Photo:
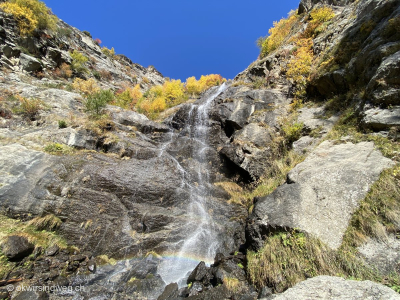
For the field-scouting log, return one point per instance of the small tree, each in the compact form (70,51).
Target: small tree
(96,102)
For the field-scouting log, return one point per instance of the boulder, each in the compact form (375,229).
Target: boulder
(383,255)
(378,119)
(10,51)
(313,199)
(58,56)
(337,288)
(29,63)
(17,247)
(170,292)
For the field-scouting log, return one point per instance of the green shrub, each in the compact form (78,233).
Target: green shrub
(87,33)
(62,124)
(57,149)
(78,62)
(96,102)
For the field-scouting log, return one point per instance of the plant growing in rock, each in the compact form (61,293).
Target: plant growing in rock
(86,87)
(96,102)
(277,35)
(25,18)
(64,71)
(29,107)
(108,52)
(78,62)
(30,15)
(57,149)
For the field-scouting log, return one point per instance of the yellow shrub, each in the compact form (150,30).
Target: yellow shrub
(196,87)
(173,90)
(25,18)
(277,34)
(135,93)
(321,15)
(108,52)
(30,14)
(158,105)
(156,91)
(193,86)
(299,67)
(129,97)
(211,80)
(85,87)
(78,62)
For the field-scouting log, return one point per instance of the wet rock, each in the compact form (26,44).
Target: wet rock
(16,247)
(29,63)
(337,288)
(199,273)
(313,199)
(170,292)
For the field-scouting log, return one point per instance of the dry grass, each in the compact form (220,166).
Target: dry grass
(290,257)
(232,284)
(49,222)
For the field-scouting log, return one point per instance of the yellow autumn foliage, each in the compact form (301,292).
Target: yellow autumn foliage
(86,87)
(30,14)
(173,91)
(322,14)
(195,87)
(25,18)
(277,34)
(299,67)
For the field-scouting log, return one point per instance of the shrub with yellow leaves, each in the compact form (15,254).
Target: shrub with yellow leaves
(277,34)
(25,18)
(86,87)
(30,14)
(299,67)
(173,91)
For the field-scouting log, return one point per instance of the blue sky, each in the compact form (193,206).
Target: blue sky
(181,38)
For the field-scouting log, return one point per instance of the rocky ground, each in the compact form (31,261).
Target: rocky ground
(110,196)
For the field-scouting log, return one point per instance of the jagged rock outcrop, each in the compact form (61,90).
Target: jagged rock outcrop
(336,288)
(313,199)
(43,52)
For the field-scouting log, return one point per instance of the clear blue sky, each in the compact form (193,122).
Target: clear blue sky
(181,38)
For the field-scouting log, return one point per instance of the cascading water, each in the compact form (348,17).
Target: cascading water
(201,243)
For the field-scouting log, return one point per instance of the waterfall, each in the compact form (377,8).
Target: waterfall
(200,241)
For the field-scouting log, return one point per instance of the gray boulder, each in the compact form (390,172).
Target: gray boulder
(337,288)
(29,63)
(31,295)
(381,119)
(16,247)
(383,255)
(321,193)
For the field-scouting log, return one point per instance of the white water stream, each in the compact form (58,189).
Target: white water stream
(201,241)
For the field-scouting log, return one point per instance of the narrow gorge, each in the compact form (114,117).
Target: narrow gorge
(282,183)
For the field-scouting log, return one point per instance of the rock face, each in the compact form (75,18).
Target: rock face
(383,255)
(16,247)
(314,198)
(336,288)
(244,121)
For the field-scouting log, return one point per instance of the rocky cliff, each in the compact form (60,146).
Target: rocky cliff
(299,167)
